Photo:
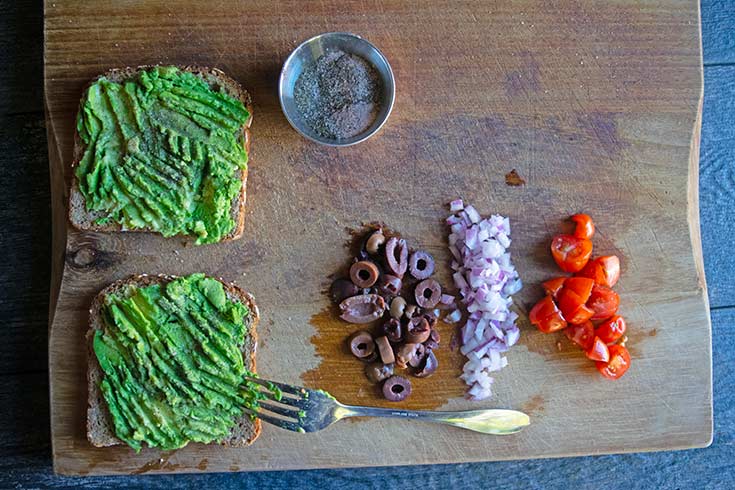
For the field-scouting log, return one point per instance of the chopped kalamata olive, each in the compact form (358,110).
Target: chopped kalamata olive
(434,335)
(431,318)
(418,356)
(428,366)
(396,256)
(377,371)
(390,285)
(376,240)
(411,311)
(428,293)
(363,308)
(409,354)
(431,344)
(417,330)
(364,273)
(421,265)
(396,388)
(393,330)
(342,289)
(397,307)
(385,350)
(362,344)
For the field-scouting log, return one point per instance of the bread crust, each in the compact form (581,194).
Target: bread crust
(100,429)
(84,220)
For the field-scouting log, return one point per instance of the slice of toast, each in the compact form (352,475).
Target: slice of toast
(83,219)
(100,429)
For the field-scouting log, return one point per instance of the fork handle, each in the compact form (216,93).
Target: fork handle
(490,421)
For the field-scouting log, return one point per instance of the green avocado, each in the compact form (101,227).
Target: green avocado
(163,151)
(173,369)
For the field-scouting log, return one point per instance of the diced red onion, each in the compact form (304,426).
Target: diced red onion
(456,205)
(486,279)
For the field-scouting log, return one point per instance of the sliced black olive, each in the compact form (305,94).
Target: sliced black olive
(396,256)
(410,355)
(364,273)
(428,366)
(417,330)
(362,344)
(397,307)
(385,350)
(377,371)
(396,388)
(363,308)
(390,285)
(428,293)
(393,330)
(421,265)
(376,240)
(342,289)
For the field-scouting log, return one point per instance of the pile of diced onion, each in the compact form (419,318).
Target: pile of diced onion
(486,279)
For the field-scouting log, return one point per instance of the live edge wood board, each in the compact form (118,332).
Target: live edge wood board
(597,106)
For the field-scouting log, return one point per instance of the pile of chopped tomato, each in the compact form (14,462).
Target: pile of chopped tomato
(584,306)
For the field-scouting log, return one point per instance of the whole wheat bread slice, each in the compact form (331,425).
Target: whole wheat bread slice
(100,429)
(85,220)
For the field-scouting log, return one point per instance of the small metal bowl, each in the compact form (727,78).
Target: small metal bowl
(307,53)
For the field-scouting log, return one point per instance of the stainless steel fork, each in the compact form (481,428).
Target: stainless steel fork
(303,410)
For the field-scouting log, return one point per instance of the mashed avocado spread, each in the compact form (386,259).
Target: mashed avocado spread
(173,369)
(163,151)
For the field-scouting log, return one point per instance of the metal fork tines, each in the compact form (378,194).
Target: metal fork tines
(300,409)
(292,407)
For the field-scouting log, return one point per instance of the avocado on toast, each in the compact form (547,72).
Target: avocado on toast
(162,149)
(167,357)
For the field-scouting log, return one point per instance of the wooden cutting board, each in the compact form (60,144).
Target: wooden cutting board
(596,104)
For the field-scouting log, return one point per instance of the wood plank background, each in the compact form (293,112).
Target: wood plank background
(24,448)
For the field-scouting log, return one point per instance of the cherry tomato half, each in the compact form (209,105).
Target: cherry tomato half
(552,286)
(583,335)
(585,227)
(618,363)
(571,253)
(598,351)
(605,270)
(603,301)
(611,329)
(573,296)
(546,316)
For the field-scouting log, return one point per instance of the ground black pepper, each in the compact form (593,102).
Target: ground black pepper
(338,95)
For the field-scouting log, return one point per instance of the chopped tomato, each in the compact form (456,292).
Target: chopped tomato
(603,301)
(583,335)
(580,315)
(552,323)
(598,351)
(574,295)
(611,329)
(618,363)
(552,286)
(571,253)
(605,270)
(546,316)
(585,227)
(542,309)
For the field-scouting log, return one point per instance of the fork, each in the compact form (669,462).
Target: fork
(304,410)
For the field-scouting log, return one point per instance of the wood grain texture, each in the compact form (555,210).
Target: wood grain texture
(606,93)
(718,31)
(27,465)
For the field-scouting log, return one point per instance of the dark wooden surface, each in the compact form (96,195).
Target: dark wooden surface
(24,209)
